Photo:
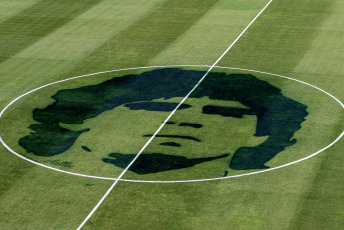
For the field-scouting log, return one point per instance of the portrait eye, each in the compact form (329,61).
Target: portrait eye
(156,106)
(226,111)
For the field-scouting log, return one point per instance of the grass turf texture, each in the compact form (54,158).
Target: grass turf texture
(301,39)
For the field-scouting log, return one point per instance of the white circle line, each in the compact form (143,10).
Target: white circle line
(177,181)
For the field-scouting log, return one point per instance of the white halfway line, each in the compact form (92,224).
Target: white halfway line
(171,114)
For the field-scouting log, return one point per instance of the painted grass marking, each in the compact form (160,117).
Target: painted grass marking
(179,181)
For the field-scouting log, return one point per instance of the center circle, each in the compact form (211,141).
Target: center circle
(196,141)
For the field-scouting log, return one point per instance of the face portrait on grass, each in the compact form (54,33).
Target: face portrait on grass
(216,123)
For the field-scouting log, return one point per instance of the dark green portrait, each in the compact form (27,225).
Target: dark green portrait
(277,117)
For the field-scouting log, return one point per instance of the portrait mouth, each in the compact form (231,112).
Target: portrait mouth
(156,162)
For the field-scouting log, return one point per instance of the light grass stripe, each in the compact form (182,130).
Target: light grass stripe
(9,8)
(45,60)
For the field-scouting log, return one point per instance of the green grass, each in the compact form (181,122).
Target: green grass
(46,41)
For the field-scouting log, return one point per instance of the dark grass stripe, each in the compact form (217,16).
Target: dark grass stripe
(30,25)
(147,37)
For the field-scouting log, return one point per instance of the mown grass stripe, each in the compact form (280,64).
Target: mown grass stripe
(285,24)
(147,37)
(53,55)
(9,8)
(30,25)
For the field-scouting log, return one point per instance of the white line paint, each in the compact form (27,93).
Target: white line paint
(179,181)
(171,114)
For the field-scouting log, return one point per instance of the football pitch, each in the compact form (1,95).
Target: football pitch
(170,114)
